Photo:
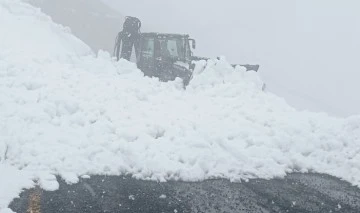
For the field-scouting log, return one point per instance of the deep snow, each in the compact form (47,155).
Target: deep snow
(65,111)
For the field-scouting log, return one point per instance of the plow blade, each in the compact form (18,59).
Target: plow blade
(248,67)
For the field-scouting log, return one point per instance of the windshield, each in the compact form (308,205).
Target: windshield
(172,48)
(147,48)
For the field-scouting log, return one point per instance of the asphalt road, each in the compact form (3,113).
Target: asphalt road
(295,193)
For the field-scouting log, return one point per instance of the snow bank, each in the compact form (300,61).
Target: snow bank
(64,111)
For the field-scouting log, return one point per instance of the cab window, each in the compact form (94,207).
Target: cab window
(172,48)
(147,47)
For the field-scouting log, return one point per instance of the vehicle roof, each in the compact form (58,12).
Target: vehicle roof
(167,35)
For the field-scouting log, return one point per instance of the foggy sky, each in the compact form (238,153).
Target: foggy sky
(307,49)
(94,23)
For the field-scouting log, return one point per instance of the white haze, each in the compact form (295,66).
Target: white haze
(308,50)
(92,21)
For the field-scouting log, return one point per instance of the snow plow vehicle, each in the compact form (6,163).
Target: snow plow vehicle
(161,55)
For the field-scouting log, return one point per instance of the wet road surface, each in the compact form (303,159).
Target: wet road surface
(294,193)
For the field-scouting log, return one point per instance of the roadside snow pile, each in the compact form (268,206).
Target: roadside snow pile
(64,111)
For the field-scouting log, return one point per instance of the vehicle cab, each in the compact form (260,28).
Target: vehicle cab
(166,56)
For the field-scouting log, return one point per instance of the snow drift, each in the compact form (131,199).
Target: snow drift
(65,111)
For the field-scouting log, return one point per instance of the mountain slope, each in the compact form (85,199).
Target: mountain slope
(90,20)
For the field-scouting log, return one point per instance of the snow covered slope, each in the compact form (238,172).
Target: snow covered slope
(65,111)
(90,20)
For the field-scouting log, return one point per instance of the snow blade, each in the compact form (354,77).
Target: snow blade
(248,67)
